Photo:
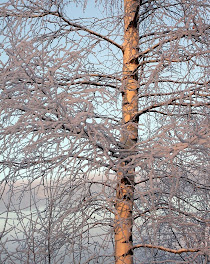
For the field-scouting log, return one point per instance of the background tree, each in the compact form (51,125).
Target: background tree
(104,131)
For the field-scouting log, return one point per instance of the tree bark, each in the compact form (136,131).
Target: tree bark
(126,174)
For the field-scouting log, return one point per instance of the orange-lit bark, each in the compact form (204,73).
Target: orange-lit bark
(125,188)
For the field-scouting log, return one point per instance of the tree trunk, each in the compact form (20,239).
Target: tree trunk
(125,188)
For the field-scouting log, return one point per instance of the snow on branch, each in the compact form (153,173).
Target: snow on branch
(58,14)
(175,251)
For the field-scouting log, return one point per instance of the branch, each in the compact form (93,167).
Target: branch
(194,183)
(177,82)
(175,37)
(89,83)
(175,251)
(99,75)
(87,30)
(179,92)
(178,115)
(58,14)
(171,101)
(29,163)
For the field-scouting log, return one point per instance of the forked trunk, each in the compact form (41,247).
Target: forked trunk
(125,188)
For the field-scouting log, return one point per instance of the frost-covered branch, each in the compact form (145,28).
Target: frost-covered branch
(175,251)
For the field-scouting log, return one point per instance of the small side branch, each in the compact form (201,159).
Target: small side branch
(175,251)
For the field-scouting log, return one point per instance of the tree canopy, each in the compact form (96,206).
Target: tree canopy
(64,131)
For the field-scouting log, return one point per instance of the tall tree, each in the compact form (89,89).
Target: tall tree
(129,137)
(104,131)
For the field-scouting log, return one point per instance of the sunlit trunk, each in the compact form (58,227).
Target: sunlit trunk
(125,188)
